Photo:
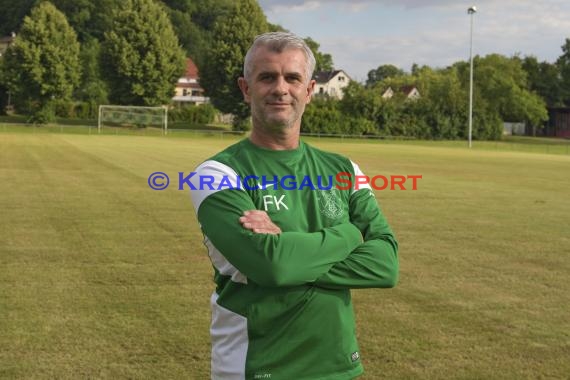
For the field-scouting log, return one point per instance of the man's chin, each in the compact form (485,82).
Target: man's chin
(279,123)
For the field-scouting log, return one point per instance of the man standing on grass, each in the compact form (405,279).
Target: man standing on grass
(286,244)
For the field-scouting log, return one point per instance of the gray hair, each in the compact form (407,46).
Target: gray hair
(278,42)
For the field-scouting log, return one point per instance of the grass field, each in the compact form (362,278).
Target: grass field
(102,277)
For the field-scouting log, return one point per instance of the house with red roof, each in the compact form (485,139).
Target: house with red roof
(188,89)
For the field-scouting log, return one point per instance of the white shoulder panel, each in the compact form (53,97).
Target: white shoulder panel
(211,176)
(358,172)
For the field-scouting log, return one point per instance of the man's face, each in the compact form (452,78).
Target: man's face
(278,88)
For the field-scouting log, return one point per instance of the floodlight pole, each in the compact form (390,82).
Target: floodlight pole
(471,11)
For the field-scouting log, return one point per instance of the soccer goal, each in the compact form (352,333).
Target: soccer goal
(132,116)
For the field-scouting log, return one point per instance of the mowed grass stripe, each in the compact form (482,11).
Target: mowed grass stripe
(85,303)
(484,255)
(102,277)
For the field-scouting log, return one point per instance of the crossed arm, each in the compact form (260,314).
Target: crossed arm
(361,253)
(374,263)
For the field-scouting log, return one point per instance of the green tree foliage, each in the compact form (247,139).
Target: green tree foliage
(3,97)
(141,58)
(544,80)
(205,13)
(192,38)
(193,21)
(12,13)
(442,104)
(43,62)
(441,111)
(563,64)
(78,13)
(359,101)
(193,115)
(382,73)
(92,89)
(89,18)
(325,116)
(324,62)
(503,82)
(232,36)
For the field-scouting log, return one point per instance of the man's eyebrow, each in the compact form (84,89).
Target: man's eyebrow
(274,72)
(294,74)
(266,72)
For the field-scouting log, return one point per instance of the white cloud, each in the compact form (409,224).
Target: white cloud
(358,56)
(361,35)
(295,6)
(275,6)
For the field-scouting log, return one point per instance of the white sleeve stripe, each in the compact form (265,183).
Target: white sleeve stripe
(358,172)
(218,172)
(222,264)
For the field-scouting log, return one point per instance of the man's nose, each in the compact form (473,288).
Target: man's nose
(281,86)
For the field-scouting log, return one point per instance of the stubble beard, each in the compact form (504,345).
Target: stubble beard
(272,124)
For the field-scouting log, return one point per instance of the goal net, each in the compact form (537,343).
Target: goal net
(132,116)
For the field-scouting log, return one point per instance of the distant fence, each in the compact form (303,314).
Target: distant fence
(521,144)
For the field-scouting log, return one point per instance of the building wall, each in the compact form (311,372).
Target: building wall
(334,86)
(558,123)
(5,42)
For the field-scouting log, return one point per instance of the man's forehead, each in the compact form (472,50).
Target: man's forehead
(289,59)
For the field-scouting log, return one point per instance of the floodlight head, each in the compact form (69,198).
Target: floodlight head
(472,10)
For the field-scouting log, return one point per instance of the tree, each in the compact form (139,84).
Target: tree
(43,62)
(360,101)
(503,82)
(92,89)
(89,18)
(13,12)
(442,104)
(324,62)
(232,36)
(192,38)
(381,73)
(193,21)
(78,13)
(544,79)
(563,64)
(3,96)
(141,57)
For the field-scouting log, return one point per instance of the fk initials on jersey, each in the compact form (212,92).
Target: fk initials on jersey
(274,202)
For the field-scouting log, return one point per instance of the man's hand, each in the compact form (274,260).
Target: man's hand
(259,222)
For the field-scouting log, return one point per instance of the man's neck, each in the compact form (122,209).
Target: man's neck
(287,139)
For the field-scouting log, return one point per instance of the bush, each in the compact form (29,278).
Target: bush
(3,99)
(85,110)
(41,113)
(202,114)
(64,109)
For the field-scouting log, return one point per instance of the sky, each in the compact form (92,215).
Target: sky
(364,34)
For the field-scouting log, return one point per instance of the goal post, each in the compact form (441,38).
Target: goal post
(137,116)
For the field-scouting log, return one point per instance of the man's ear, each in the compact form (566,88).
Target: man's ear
(243,86)
(310,89)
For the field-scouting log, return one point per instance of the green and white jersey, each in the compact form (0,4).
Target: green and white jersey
(282,307)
